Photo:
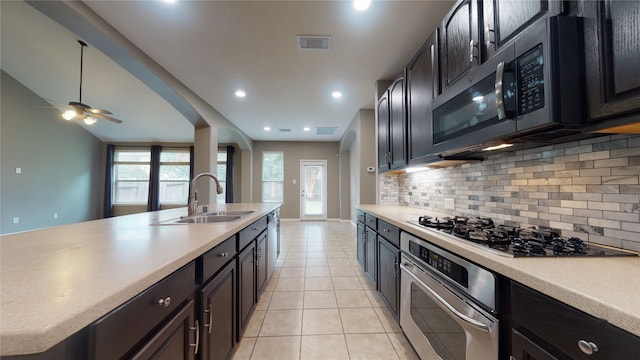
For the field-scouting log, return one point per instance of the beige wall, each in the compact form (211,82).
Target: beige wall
(293,153)
(61,164)
(360,145)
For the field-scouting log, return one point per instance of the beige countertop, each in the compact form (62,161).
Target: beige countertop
(607,288)
(56,281)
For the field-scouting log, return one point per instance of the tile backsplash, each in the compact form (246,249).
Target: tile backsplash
(589,189)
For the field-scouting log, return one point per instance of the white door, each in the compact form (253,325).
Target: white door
(313,189)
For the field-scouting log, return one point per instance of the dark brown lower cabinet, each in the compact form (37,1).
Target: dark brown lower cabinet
(370,256)
(261,263)
(361,239)
(177,340)
(545,328)
(388,280)
(219,315)
(246,286)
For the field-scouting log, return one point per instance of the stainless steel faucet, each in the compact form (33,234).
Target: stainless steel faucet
(193,198)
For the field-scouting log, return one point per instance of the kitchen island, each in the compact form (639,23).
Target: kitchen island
(57,281)
(607,288)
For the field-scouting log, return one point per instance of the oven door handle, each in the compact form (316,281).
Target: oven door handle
(447,307)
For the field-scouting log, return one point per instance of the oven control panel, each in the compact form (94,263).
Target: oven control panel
(443,265)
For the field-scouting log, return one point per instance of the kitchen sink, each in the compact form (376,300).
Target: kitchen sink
(204,219)
(230,212)
(200,219)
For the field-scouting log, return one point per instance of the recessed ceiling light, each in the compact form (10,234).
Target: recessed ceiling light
(361,5)
(170,1)
(241,93)
(336,94)
(307,129)
(266,128)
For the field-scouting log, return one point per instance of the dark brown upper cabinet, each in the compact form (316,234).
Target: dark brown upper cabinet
(383,132)
(392,127)
(612,50)
(423,84)
(460,50)
(503,20)
(397,124)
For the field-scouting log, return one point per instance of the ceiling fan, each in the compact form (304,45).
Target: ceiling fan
(79,110)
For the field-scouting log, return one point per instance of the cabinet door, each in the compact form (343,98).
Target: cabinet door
(261,263)
(524,348)
(505,19)
(219,315)
(360,248)
(459,32)
(177,340)
(272,245)
(612,50)
(397,124)
(423,84)
(370,256)
(388,266)
(383,132)
(246,286)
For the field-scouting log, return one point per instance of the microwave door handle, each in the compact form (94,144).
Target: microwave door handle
(446,306)
(502,114)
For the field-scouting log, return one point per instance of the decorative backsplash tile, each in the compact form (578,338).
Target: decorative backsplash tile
(589,189)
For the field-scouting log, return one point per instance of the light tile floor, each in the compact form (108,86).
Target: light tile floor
(319,304)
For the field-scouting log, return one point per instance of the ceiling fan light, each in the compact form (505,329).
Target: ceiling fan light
(69,115)
(90,120)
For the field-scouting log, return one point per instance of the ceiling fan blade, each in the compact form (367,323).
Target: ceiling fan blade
(107,117)
(100,111)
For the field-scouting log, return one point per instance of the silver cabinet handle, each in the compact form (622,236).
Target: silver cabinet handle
(487,36)
(224,254)
(434,83)
(471,56)
(164,302)
(498,89)
(210,324)
(446,306)
(386,230)
(587,347)
(197,344)
(256,229)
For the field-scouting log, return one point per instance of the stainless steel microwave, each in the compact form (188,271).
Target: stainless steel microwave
(534,84)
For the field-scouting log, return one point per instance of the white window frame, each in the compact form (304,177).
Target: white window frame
(178,163)
(281,181)
(115,181)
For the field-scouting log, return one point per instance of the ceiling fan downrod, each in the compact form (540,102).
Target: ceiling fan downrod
(82,46)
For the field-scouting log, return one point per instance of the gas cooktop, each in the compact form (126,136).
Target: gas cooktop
(514,241)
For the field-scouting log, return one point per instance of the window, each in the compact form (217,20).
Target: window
(131,176)
(272,176)
(174,176)
(222,175)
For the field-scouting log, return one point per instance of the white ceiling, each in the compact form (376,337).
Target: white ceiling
(217,47)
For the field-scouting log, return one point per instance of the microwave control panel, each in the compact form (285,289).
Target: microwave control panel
(530,81)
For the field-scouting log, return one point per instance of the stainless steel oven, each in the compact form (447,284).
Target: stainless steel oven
(446,303)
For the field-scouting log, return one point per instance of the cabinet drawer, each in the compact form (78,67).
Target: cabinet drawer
(360,215)
(370,221)
(389,232)
(214,259)
(251,232)
(563,326)
(117,333)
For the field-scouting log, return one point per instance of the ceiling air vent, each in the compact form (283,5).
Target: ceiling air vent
(325,130)
(314,42)
(284,130)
